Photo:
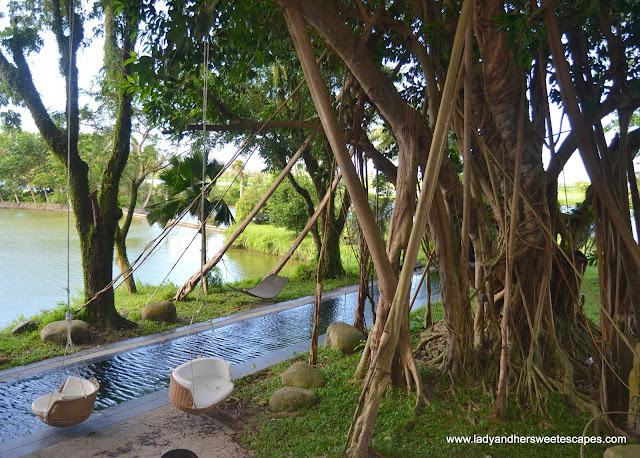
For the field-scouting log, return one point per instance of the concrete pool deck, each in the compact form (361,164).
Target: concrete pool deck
(148,426)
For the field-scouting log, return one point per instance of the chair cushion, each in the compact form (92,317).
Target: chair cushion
(76,387)
(41,405)
(208,390)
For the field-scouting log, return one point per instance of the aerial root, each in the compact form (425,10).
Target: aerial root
(435,361)
(533,384)
(425,340)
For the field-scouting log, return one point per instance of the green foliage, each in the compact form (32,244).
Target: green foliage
(305,272)
(183,183)
(286,207)
(25,163)
(214,278)
(254,190)
(524,33)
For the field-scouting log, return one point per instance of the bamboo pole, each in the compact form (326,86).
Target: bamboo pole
(307,228)
(190,284)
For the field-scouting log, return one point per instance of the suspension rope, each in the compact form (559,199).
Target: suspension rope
(155,243)
(70,54)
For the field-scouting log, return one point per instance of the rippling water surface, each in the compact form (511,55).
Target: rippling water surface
(142,371)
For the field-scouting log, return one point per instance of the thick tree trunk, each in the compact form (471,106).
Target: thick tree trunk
(96,246)
(122,261)
(459,357)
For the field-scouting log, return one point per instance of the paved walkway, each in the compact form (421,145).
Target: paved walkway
(152,434)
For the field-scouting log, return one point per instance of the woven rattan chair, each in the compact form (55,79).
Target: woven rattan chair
(70,405)
(200,384)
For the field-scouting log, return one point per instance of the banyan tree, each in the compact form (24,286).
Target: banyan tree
(497,106)
(467,92)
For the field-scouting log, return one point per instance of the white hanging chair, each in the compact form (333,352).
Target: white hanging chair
(200,384)
(70,405)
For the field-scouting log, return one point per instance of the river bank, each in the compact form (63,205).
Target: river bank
(33,259)
(34,206)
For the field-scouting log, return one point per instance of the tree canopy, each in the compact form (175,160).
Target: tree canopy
(451,100)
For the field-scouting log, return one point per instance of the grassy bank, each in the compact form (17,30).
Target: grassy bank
(221,301)
(274,240)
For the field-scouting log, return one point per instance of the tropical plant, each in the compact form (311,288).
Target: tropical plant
(182,181)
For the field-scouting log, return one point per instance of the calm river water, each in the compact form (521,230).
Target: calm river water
(33,260)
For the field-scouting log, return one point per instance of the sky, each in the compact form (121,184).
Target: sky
(50,84)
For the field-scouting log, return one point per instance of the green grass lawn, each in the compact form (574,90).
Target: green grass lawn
(571,194)
(399,430)
(591,291)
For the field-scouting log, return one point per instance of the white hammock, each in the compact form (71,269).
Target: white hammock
(200,384)
(70,405)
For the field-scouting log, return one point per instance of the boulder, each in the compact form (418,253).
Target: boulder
(633,419)
(56,332)
(622,451)
(344,337)
(301,375)
(292,398)
(26,326)
(160,311)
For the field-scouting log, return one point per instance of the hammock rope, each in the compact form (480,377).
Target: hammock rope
(73,402)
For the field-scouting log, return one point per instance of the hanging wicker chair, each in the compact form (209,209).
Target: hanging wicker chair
(70,405)
(200,384)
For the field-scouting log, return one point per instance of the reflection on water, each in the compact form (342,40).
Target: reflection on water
(145,370)
(33,259)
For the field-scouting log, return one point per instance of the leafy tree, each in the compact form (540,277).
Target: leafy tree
(97,213)
(23,161)
(287,208)
(254,191)
(237,169)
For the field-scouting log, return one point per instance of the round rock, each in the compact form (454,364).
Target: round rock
(160,311)
(301,375)
(623,451)
(292,398)
(56,332)
(344,337)
(26,326)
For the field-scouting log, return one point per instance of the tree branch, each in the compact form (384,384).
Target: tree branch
(252,126)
